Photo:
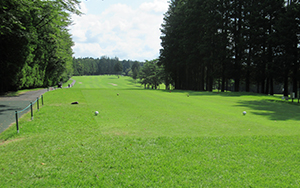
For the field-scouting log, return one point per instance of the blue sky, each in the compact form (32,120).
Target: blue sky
(127,29)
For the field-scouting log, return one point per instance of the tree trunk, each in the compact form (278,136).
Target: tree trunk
(202,76)
(286,85)
(271,86)
(267,86)
(295,84)
(263,80)
(237,84)
(248,81)
(223,84)
(226,85)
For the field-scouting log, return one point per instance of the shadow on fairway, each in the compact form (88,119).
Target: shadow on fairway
(135,84)
(274,110)
(113,78)
(207,93)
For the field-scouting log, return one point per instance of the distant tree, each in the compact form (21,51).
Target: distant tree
(118,67)
(151,74)
(128,72)
(135,73)
(135,68)
(135,65)
(104,65)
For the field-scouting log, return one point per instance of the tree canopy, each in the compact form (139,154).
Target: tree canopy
(35,48)
(151,74)
(247,43)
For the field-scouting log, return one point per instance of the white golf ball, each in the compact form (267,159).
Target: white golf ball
(96,113)
(244,112)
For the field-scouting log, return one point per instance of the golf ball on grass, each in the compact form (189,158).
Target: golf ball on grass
(244,113)
(96,113)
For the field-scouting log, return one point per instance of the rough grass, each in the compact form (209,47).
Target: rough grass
(148,138)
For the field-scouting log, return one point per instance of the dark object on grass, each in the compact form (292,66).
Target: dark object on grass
(59,85)
(75,102)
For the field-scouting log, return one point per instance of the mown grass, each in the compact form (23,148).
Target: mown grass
(152,138)
(66,84)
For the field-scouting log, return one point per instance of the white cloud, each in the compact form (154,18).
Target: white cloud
(120,30)
(156,5)
(83,8)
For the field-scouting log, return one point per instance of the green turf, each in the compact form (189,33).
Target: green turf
(66,84)
(152,138)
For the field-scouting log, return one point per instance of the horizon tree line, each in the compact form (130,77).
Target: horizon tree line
(103,66)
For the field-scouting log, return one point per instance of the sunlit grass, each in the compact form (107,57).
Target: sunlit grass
(152,138)
(66,84)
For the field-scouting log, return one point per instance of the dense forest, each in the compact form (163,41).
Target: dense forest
(253,43)
(103,65)
(35,45)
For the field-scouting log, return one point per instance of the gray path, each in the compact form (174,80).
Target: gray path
(73,83)
(8,106)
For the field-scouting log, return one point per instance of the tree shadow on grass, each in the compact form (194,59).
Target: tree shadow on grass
(272,109)
(113,78)
(135,84)
(214,93)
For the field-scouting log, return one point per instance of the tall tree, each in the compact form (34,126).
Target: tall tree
(118,67)
(135,68)
(205,42)
(35,45)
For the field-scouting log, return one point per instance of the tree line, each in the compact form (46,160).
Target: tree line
(149,73)
(247,42)
(103,65)
(35,45)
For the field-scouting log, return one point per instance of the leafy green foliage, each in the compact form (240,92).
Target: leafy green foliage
(118,67)
(151,74)
(135,70)
(35,46)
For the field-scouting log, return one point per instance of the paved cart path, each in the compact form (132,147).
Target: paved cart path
(8,106)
